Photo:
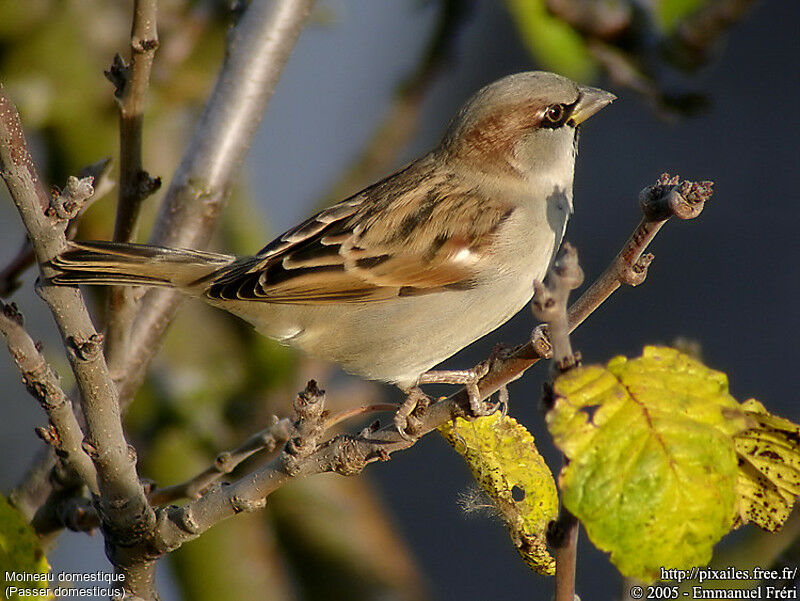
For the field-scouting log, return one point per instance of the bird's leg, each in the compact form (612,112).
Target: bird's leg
(406,419)
(502,400)
(469,378)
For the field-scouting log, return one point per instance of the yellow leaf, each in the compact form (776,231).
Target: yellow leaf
(504,460)
(652,470)
(769,468)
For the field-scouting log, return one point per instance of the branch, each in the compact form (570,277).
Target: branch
(666,198)
(63,432)
(629,267)
(122,503)
(10,274)
(562,537)
(269,438)
(550,305)
(135,184)
(258,49)
(131,82)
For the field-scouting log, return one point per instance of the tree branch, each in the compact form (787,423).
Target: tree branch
(550,306)
(63,433)
(135,184)
(132,82)
(10,274)
(269,438)
(122,503)
(258,49)
(666,198)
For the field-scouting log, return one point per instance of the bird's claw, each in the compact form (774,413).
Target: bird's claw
(407,419)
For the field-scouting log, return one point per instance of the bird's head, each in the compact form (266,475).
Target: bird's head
(524,123)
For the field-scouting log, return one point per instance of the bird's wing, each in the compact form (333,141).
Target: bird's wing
(417,232)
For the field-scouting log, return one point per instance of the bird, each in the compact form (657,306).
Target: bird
(393,280)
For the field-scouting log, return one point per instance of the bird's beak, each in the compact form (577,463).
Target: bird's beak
(590,101)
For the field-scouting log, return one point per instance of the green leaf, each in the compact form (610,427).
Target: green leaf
(503,458)
(769,468)
(652,471)
(554,43)
(21,554)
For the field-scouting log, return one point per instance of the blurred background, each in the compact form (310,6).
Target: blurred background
(708,89)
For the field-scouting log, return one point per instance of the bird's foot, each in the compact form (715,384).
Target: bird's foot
(407,419)
(469,378)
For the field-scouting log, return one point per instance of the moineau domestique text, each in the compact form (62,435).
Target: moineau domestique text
(64,577)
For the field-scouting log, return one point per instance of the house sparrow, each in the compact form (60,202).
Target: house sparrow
(395,279)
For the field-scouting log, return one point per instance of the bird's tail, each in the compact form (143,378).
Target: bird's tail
(134,264)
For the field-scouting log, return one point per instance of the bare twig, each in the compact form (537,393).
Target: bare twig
(63,432)
(121,502)
(10,274)
(268,439)
(659,202)
(258,49)
(135,184)
(131,82)
(562,537)
(550,306)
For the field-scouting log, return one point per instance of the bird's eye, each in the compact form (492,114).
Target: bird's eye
(554,113)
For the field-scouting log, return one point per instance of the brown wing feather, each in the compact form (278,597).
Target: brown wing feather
(416,232)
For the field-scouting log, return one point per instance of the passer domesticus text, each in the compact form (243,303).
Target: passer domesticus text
(393,280)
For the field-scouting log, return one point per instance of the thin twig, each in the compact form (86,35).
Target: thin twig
(10,274)
(562,536)
(257,52)
(550,306)
(356,411)
(132,82)
(268,439)
(135,184)
(666,198)
(63,432)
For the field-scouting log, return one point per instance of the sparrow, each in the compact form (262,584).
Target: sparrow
(395,279)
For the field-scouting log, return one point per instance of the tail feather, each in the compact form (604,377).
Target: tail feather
(134,264)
